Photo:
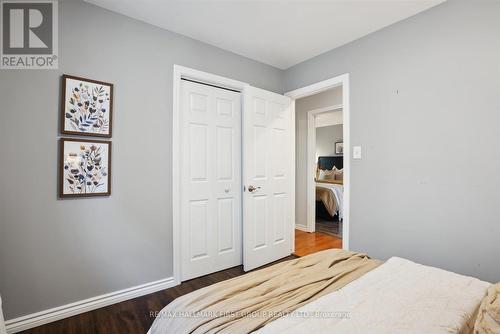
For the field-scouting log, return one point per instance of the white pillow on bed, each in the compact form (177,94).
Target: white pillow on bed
(339,174)
(329,174)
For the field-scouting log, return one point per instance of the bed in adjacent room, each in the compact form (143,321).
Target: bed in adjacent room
(336,291)
(330,187)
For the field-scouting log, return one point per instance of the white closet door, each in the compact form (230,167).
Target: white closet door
(268,174)
(211,216)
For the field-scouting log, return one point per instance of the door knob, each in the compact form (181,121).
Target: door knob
(252,188)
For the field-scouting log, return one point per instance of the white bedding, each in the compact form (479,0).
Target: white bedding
(400,296)
(338,192)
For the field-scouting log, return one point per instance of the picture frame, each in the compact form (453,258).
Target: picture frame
(86,107)
(84,167)
(339,148)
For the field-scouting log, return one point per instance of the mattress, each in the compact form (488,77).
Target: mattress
(399,296)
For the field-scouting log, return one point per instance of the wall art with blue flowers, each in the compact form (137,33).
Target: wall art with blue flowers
(86,107)
(85,168)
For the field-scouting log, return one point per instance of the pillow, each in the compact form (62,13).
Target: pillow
(329,174)
(339,174)
(488,317)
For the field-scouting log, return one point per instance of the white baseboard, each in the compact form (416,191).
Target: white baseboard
(68,310)
(302,228)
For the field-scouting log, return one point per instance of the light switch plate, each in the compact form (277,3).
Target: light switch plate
(356,152)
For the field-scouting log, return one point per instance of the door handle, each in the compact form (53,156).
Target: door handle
(252,188)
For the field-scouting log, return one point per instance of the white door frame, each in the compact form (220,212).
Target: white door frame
(341,80)
(202,77)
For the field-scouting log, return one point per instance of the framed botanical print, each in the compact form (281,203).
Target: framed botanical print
(86,107)
(84,168)
(339,148)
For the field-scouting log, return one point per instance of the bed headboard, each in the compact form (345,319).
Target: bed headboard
(329,162)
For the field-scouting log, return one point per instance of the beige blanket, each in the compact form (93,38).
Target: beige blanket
(488,318)
(246,303)
(329,181)
(327,197)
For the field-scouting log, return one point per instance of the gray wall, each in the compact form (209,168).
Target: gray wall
(326,137)
(331,97)
(53,252)
(425,106)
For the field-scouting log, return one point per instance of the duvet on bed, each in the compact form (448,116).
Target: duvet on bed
(399,296)
(246,303)
(331,195)
(333,291)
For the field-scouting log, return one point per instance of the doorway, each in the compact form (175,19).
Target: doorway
(326,132)
(322,173)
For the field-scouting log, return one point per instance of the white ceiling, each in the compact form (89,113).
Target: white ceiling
(280,33)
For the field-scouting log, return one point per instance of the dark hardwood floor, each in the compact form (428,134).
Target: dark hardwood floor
(135,315)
